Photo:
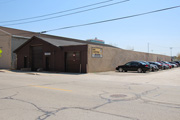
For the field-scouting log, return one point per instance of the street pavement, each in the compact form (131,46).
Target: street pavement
(94,96)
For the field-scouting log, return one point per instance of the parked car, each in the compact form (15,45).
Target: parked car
(178,62)
(164,66)
(159,65)
(173,64)
(153,67)
(168,64)
(177,65)
(134,66)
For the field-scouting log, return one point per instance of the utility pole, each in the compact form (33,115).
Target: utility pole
(148,53)
(171,52)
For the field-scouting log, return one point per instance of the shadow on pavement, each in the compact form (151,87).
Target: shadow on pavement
(38,73)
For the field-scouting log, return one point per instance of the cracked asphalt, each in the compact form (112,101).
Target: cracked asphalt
(94,96)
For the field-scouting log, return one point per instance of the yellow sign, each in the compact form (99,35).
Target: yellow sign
(0,52)
(97,52)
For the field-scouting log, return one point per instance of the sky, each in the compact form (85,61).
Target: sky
(156,32)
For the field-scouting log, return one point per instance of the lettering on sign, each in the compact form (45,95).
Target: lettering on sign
(97,52)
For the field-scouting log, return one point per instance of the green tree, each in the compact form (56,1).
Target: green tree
(178,56)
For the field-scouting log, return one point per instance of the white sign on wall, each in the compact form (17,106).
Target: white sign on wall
(47,53)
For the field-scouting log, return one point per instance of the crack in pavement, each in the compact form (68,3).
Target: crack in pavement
(80,108)
(11,98)
(164,104)
(47,114)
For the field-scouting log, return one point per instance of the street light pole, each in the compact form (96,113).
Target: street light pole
(148,53)
(171,52)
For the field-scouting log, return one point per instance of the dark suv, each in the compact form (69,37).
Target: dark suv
(134,66)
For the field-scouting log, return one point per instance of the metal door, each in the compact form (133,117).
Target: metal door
(73,62)
(25,62)
(37,57)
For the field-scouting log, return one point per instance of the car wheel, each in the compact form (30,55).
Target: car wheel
(125,71)
(120,70)
(139,70)
(144,71)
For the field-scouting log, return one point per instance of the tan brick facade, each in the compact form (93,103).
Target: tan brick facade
(112,57)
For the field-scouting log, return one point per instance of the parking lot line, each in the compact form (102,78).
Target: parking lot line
(51,88)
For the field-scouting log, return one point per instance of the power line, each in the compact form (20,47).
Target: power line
(115,19)
(68,13)
(4,2)
(57,12)
(102,2)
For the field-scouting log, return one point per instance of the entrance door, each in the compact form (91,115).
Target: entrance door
(47,63)
(73,62)
(37,57)
(25,62)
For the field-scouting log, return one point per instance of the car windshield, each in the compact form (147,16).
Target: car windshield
(158,63)
(128,64)
(143,63)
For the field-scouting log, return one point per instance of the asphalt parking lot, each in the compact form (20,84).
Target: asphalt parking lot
(94,96)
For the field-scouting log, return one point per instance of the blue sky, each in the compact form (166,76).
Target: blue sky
(161,30)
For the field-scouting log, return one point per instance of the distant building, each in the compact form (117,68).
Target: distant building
(96,41)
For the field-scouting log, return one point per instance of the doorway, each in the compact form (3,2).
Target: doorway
(37,57)
(25,62)
(47,63)
(73,62)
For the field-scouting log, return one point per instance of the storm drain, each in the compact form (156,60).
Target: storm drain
(118,96)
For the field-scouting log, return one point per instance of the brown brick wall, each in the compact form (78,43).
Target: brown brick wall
(57,57)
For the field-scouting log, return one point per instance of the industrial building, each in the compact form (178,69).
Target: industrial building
(11,39)
(53,53)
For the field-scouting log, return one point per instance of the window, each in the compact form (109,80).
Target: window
(128,64)
(134,64)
